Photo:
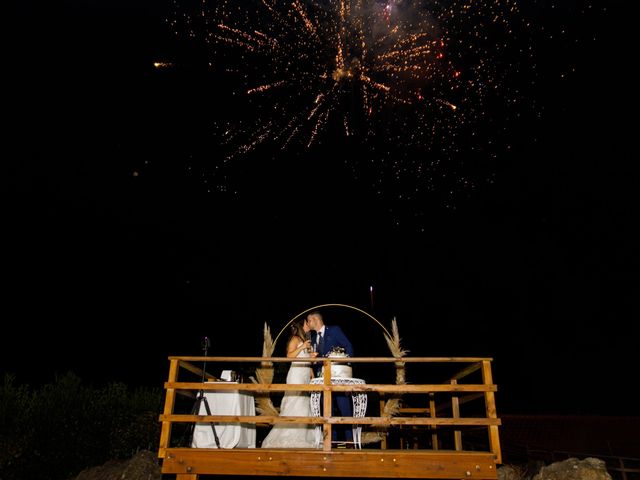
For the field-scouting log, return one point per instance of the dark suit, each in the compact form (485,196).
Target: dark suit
(342,404)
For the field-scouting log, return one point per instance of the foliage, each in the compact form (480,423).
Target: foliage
(57,430)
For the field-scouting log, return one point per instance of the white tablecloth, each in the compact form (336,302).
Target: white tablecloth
(359,405)
(231,435)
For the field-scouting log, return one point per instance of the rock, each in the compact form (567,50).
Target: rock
(510,472)
(574,469)
(143,466)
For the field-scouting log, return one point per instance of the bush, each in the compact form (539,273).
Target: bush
(56,431)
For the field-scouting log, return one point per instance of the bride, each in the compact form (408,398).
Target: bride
(295,404)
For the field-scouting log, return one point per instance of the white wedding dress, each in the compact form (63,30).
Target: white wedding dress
(294,404)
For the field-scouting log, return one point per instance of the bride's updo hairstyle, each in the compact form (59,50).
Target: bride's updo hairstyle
(297,330)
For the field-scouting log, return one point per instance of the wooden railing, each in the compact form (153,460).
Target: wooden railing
(430,414)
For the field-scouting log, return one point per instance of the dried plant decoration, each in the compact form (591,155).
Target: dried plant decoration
(264,374)
(396,351)
(392,405)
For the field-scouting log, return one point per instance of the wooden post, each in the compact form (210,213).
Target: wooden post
(170,398)
(622,469)
(432,414)
(383,442)
(490,405)
(326,407)
(455,408)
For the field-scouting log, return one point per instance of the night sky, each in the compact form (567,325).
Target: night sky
(128,237)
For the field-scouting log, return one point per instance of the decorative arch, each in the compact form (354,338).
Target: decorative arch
(317,307)
(264,373)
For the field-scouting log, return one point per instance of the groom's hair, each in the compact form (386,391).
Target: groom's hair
(316,312)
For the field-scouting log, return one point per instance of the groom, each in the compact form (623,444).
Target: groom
(326,338)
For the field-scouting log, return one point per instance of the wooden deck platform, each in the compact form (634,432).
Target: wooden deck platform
(432,439)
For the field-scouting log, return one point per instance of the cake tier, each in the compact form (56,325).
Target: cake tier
(341,371)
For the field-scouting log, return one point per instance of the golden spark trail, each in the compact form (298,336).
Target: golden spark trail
(263,88)
(304,17)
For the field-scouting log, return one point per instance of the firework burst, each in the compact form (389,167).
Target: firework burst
(415,84)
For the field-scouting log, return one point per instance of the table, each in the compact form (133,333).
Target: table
(359,405)
(231,435)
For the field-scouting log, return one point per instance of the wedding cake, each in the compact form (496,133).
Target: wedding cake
(339,370)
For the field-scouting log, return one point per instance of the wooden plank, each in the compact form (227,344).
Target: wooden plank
(376,421)
(351,359)
(469,397)
(198,371)
(370,387)
(261,419)
(342,463)
(414,411)
(467,371)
